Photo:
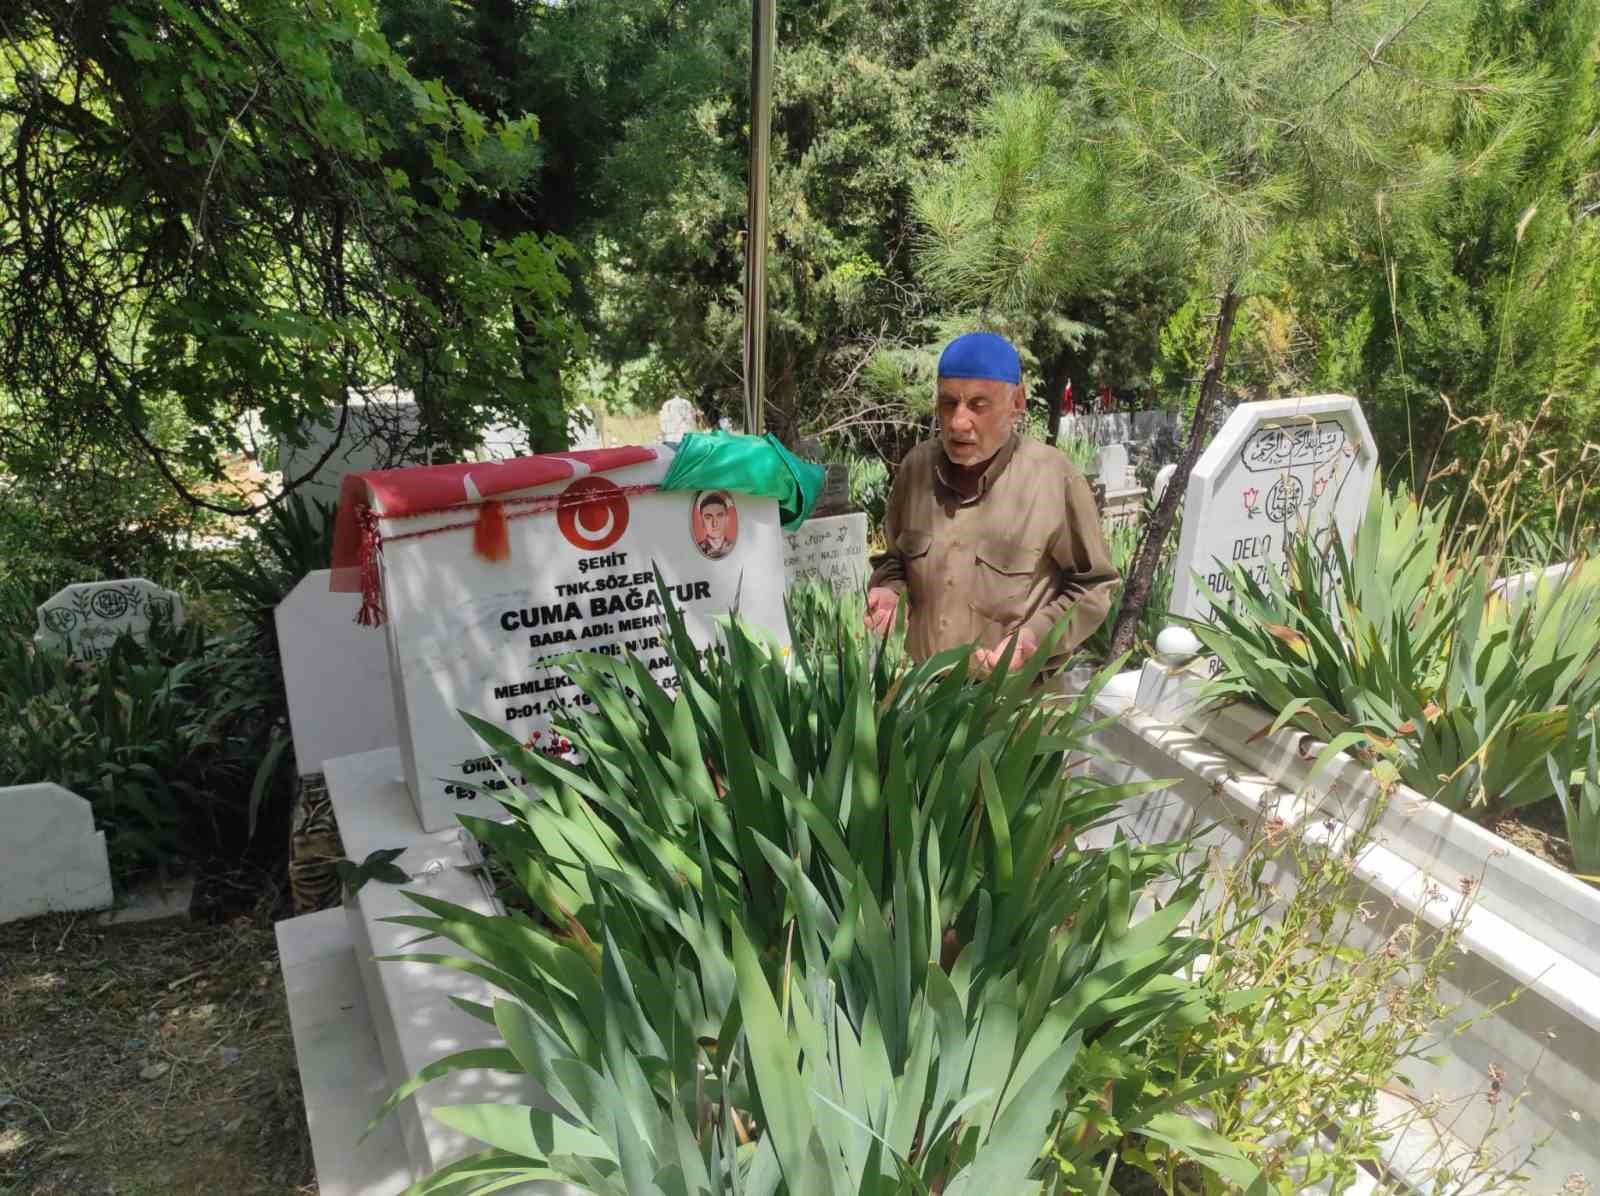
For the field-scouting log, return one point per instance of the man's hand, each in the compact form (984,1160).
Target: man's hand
(986,660)
(881,604)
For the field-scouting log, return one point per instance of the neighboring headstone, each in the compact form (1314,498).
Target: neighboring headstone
(1163,476)
(501,442)
(1515,586)
(85,618)
(381,431)
(677,419)
(51,857)
(1123,507)
(469,634)
(832,549)
(1119,427)
(1276,470)
(335,675)
(583,428)
(1113,471)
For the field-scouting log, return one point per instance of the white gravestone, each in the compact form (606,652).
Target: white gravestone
(1163,476)
(85,619)
(1113,466)
(332,668)
(1275,471)
(677,419)
(583,428)
(831,549)
(51,857)
(381,431)
(475,635)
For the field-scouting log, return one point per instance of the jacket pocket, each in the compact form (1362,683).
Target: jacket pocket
(913,547)
(1003,581)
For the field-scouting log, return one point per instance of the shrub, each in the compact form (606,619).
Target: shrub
(851,899)
(1350,1006)
(176,743)
(291,541)
(1411,657)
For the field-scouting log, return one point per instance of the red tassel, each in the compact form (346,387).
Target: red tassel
(490,539)
(372,613)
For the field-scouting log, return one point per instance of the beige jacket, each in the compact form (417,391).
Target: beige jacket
(1020,554)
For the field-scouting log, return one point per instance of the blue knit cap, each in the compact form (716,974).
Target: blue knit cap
(981,355)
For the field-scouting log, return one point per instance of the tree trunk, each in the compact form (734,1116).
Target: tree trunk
(1142,572)
(1054,382)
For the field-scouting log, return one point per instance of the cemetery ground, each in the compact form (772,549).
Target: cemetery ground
(150,1061)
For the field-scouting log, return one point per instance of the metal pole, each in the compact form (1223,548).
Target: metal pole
(764,16)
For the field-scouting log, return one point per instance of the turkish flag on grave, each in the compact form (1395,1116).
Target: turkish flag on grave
(366,497)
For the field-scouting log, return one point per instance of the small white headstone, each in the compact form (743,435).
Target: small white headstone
(381,431)
(501,442)
(832,549)
(1163,476)
(51,857)
(677,419)
(1276,470)
(1114,466)
(85,619)
(1514,587)
(583,428)
(335,675)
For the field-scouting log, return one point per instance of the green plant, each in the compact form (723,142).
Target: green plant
(177,743)
(1350,1007)
(1414,658)
(827,626)
(1082,452)
(292,540)
(1579,793)
(851,898)
(869,488)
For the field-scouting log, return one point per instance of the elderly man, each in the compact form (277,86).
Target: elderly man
(992,537)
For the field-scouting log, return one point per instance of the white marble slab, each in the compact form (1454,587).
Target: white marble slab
(1530,932)
(335,675)
(1515,586)
(51,857)
(86,618)
(342,1078)
(381,431)
(414,1021)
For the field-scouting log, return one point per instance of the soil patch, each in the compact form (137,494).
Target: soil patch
(1540,830)
(148,1061)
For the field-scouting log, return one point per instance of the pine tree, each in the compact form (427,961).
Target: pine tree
(1201,139)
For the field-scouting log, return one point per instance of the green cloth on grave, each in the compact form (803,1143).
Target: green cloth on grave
(758,465)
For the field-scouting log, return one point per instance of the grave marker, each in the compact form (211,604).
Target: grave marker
(85,619)
(382,430)
(1113,466)
(677,419)
(476,634)
(51,857)
(1276,470)
(831,549)
(331,669)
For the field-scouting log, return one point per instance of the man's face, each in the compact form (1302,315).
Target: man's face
(975,417)
(715,518)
